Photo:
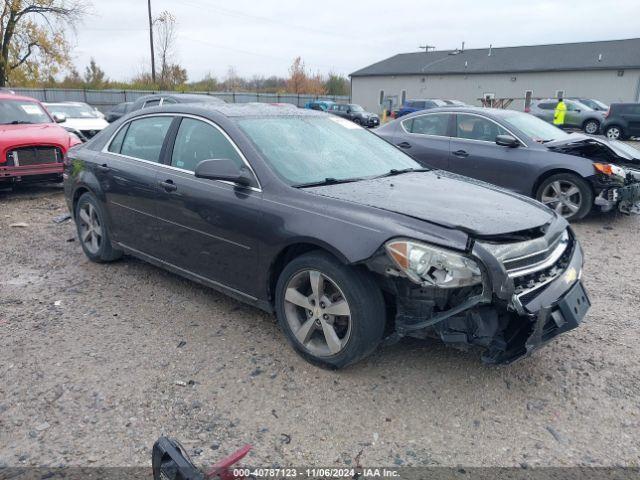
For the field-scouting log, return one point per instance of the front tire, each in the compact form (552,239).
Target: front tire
(568,194)
(93,232)
(591,127)
(332,314)
(614,132)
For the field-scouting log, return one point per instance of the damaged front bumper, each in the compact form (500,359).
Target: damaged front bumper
(626,198)
(520,307)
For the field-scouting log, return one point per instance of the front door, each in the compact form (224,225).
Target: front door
(475,154)
(207,227)
(127,172)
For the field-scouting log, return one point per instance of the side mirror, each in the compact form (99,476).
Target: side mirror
(59,118)
(507,141)
(224,169)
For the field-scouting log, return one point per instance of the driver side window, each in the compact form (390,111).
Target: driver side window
(197,141)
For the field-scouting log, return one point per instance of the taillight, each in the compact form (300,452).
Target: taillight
(606,115)
(527,109)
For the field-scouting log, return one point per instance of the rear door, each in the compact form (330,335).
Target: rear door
(426,138)
(475,154)
(126,170)
(208,227)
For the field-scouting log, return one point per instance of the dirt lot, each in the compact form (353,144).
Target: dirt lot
(90,357)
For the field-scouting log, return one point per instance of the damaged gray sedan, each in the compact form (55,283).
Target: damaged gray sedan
(345,237)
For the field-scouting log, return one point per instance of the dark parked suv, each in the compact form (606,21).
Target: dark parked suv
(622,121)
(345,237)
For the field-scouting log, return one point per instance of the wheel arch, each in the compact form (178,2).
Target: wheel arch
(291,251)
(555,171)
(591,119)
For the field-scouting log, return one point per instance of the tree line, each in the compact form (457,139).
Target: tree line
(35,52)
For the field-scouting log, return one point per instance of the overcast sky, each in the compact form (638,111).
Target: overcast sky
(262,37)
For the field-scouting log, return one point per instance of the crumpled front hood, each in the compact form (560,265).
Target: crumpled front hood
(576,140)
(445,199)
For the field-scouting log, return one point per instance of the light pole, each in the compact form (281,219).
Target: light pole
(153,57)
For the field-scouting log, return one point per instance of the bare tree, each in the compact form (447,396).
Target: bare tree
(33,36)
(165,45)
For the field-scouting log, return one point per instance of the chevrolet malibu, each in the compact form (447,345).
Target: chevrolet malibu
(345,237)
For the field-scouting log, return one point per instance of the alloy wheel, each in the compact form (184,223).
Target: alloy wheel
(562,196)
(613,133)
(90,228)
(317,312)
(591,127)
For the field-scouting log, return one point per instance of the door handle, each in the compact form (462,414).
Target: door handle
(404,145)
(104,168)
(461,153)
(168,185)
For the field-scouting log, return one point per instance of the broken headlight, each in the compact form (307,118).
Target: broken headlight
(429,265)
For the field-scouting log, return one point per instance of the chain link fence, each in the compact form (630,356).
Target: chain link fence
(104,100)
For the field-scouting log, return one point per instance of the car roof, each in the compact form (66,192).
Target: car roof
(11,96)
(236,110)
(498,112)
(77,104)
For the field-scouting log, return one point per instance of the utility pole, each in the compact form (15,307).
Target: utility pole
(153,57)
(426,48)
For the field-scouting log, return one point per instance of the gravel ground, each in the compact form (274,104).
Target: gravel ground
(93,358)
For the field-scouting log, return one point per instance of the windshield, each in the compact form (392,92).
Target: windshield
(356,108)
(307,149)
(22,111)
(594,104)
(537,129)
(73,111)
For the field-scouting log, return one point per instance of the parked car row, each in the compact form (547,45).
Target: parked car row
(421,229)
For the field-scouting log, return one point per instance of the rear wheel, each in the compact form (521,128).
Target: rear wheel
(332,314)
(591,127)
(568,194)
(614,132)
(92,230)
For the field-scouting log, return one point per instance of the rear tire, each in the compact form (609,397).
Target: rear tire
(93,231)
(568,194)
(591,127)
(614,132)
(332,314)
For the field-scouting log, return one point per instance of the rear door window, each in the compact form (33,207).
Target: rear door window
(144,138)
(435,124)
(547,105)
(196,141)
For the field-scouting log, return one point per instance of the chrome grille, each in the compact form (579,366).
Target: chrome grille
(534,263)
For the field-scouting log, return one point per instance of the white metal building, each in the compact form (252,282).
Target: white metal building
(606,70)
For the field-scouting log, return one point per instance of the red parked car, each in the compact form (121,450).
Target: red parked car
(32,144)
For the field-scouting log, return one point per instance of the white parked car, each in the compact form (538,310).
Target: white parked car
(78,117)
